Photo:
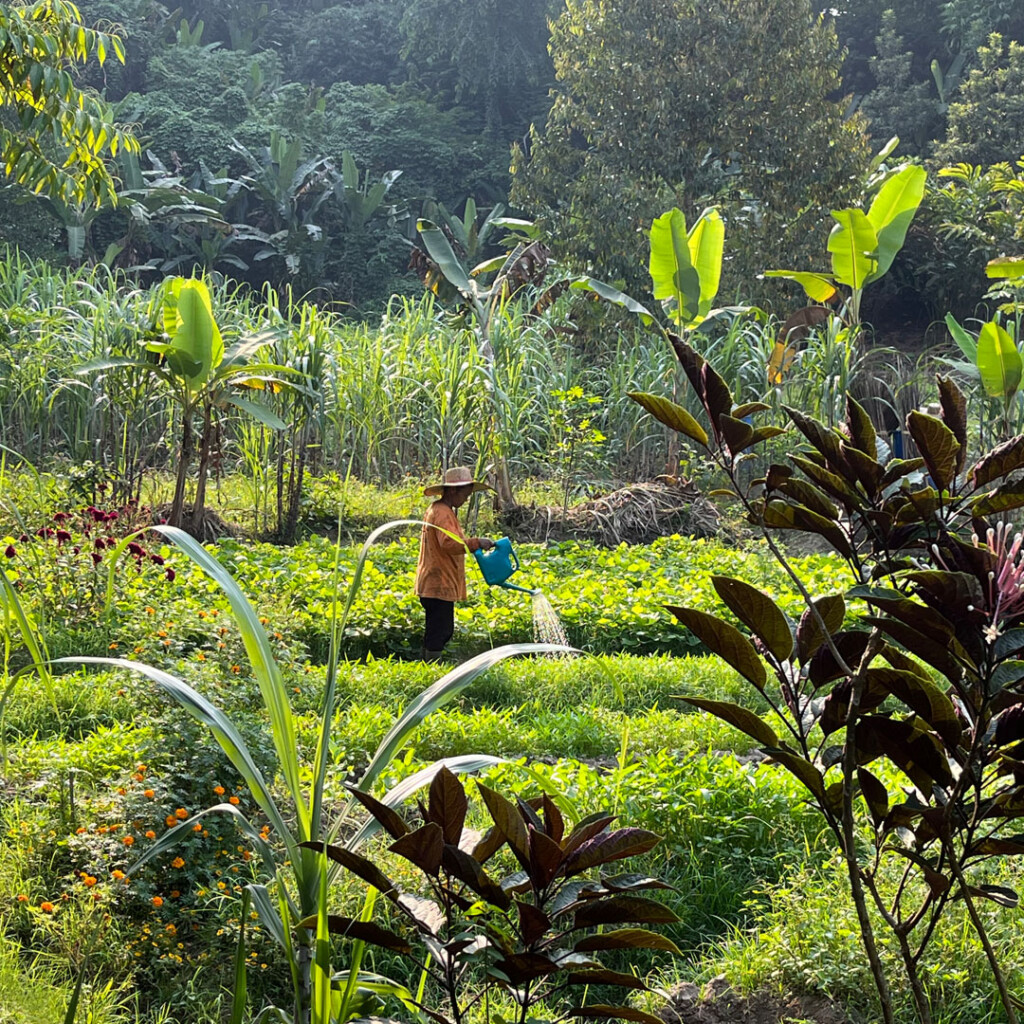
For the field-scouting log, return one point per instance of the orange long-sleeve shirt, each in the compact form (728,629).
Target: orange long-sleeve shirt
(441,571)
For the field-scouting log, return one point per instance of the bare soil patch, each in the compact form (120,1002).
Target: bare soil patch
(717,1003)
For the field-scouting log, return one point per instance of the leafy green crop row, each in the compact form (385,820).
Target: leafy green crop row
(608,600)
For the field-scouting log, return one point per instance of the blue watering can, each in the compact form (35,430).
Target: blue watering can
(498,564)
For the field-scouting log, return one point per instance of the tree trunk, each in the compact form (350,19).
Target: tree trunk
(291,523)
(184,459)
(205,451)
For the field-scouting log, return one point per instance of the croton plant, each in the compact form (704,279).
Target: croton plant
(898,700)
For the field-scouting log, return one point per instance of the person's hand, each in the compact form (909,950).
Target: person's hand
(486,543)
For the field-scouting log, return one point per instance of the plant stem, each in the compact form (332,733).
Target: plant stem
(979,927)
(849,839)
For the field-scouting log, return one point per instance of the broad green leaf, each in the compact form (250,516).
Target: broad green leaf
(854,247)
(444,256)
(612,294)
(191,328)
(1005,267)
(266,416)
(819,287)
(965,341)
(672,415)
(999,362)
(892,211)
(676,282)
(707,241)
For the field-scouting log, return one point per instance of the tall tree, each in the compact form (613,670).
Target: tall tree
(490,55)
(56,136)
(986,120)
(664,103)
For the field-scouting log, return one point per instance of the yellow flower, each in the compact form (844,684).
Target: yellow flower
(150,834)
(178,862)
(157,901)
(170,820)
(181,813)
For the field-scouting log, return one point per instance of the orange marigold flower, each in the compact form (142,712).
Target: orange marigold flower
(128,840)
(200,656)
(157,901)
(97,896)
(150,834)
(236,669)
(170,820)
(121,790)
(89,881)
(178,862)
(219,790)
(117,873)
(46,907)
(112,646)
(233,800)
(175,894)
(80,831)
(181,813)
(246,855)
(22,898)
(149,793)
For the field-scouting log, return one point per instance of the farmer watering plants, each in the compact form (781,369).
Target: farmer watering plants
(441,572)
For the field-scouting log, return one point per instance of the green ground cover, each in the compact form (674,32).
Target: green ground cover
(101,758)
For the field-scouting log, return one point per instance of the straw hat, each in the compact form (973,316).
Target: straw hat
(457,476)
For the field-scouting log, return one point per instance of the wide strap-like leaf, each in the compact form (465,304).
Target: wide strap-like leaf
(819,287)
(676,282)
(853,244)
(707,242)
(892,211)
(999,362)
(189,323)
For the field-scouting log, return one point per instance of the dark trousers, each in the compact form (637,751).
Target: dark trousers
(439,625)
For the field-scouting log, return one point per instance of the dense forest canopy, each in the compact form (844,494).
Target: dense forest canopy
(246,111)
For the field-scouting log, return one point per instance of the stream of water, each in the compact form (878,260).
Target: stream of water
(547,626)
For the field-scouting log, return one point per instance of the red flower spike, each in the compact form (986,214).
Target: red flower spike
(10,552)
(99,543)
(63,536)
(157,559)
(169,573)
(96,558)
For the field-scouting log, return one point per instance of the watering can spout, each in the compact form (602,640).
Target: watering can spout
(498,564)
(524,590)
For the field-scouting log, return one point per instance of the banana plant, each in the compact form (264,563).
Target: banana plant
(993,361)
(301,811)
(202,378)
(358,198)
(526,264)
(862,247)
